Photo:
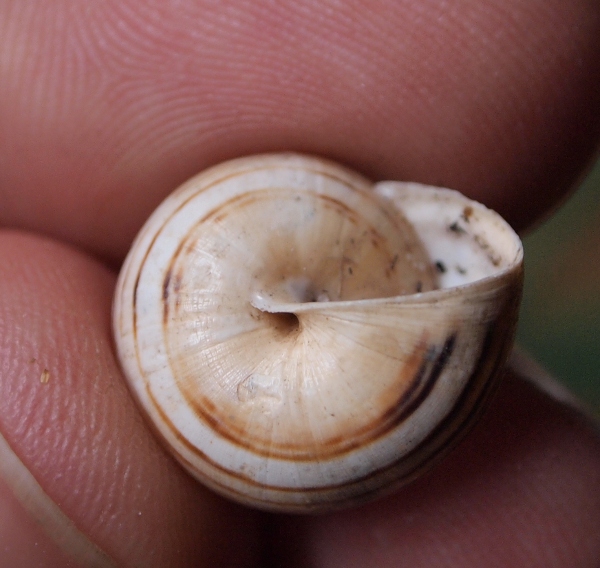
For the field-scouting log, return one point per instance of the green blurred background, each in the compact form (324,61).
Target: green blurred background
(560,314)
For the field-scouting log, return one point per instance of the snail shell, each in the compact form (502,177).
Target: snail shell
(303,339)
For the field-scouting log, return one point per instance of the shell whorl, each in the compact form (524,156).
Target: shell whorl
(303,339)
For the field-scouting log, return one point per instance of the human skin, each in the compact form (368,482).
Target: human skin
(108,106)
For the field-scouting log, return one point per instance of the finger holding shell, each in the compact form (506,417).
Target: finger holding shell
(303,339)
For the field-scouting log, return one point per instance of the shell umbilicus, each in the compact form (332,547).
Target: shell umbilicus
(303,339)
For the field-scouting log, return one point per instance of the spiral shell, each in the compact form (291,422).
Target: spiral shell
(303,339)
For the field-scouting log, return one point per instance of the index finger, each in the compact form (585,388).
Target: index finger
(108,106)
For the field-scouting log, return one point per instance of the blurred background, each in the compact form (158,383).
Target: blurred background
(560,314)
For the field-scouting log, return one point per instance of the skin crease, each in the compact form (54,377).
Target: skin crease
(106,107)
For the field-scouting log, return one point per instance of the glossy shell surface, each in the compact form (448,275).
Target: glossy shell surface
(303,339)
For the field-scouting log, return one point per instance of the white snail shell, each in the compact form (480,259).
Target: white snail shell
(303,339)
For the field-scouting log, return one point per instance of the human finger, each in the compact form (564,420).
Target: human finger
(106,107)
(82,477)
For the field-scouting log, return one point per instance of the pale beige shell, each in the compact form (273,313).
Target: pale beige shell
(303,339)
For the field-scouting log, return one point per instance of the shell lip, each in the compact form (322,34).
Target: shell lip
(264,303)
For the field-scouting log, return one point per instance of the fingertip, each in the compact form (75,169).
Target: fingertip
(108,108)
(68,418)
